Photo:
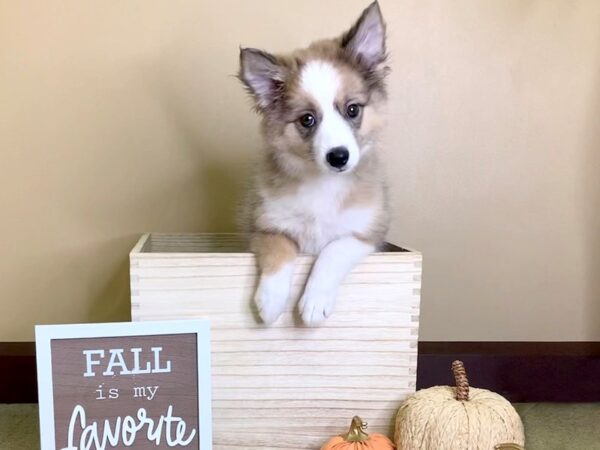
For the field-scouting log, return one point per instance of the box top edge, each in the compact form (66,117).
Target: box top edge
(233,245)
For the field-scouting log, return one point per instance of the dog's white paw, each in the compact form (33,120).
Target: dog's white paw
(316,307)
(271,297)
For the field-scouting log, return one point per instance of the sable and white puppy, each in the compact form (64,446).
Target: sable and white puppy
(319,188)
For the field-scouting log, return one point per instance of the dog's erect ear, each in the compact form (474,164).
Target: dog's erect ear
(365,41)
(263,76)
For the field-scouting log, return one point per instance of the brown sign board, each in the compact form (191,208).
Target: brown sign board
(124,386)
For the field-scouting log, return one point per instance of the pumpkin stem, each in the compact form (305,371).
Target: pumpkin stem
(357,431)
(462,382)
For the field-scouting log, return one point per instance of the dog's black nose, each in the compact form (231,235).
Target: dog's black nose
(337,157)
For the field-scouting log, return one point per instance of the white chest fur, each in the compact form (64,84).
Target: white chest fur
(314,214)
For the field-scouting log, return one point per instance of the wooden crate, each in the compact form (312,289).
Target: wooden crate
(287,386)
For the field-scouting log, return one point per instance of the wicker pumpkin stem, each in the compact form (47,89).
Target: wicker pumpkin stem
(357,431)
(462,382)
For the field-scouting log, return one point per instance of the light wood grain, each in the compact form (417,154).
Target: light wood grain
(287,386)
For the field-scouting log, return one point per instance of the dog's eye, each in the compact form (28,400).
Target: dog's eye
(353,110)
(308,121)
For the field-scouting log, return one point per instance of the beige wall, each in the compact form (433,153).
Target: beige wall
(118,117)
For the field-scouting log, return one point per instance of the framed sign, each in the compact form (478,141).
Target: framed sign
(140,385)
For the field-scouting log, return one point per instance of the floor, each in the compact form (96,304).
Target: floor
(548,426)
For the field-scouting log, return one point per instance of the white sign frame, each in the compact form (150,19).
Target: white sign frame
(44,334)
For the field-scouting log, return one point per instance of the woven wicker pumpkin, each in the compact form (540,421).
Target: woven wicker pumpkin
(461,418)
(358,439)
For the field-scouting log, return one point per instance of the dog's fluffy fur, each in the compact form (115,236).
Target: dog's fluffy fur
(301,202)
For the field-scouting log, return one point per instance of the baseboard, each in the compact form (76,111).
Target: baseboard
(18,378)
(521,371)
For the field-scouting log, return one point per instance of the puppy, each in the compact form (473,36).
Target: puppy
(318,188)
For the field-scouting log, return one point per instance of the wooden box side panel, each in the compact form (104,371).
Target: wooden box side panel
(288,386)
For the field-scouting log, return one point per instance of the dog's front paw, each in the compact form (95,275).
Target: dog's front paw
(316,307)
(271,297)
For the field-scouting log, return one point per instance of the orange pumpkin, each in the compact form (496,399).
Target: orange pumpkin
(357,439)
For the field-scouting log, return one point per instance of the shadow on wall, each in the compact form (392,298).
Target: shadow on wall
(111,299)
(217,184)
(214,148)
(592,217)
(221,195)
